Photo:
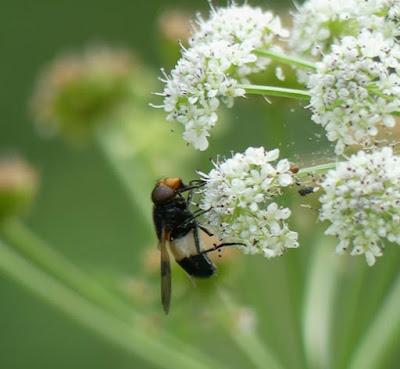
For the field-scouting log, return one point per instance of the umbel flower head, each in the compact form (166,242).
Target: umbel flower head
(239,194)
(362,203)
(219,57)
(77,91)
(318,24)
(356,89)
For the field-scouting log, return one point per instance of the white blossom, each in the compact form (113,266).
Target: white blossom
(244,25)
(356,89)
(239,194)
(362,203)
(219,57)
(318,24)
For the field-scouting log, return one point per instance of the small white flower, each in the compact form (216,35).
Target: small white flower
(239,194)
(362,203)
(219,57)
(356,89)
(318,24)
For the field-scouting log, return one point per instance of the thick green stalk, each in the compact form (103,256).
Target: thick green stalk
(383,333)
(248,341)
(318,305)
(133,340)
(132,172)
(276,91)
(56,266)
(53,263)
(286,59)
(347,330)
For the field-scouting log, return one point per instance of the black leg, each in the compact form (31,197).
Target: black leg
(190,197)
(192,185)
(205,230)
(197,182)
(195,215)
(221,245)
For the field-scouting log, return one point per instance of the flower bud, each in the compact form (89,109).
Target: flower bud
(18,187)
(173,28)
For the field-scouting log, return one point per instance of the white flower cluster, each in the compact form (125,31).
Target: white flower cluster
(243,25)
(362,203)
(356,89)
(319,23)
(239,194)
(219,57)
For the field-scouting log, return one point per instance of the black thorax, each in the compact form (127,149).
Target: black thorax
(175,216)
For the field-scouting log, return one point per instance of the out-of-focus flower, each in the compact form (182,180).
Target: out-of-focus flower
(77,92)
(18,186)
(174,25)
(362,203)
(318,24)
(356,89)
(220,56)
(239,194)
(244,321)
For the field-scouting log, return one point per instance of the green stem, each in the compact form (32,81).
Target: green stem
(347,330)
(317,169)
(53,263)
(276,91)
(131,339)
(318,305)
(132,172)
(383,333)
(66,274)
(286,59)
(248,341)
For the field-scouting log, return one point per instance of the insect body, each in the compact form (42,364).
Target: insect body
(176,227)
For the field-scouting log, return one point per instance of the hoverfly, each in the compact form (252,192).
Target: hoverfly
(176,227)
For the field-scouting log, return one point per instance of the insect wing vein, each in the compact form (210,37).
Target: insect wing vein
(165,272)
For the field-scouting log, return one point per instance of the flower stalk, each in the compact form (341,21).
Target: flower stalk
(54,264)
(383,332)
(286,59)
(316,169)
(318,306)
(248,340)
(275,91)
(154,350)
(133,174)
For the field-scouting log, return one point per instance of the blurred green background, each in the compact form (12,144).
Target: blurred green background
(84,211)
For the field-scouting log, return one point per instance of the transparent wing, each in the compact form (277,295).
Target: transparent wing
(165,272)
